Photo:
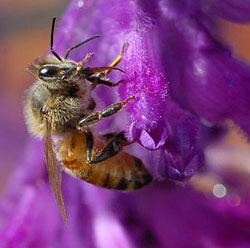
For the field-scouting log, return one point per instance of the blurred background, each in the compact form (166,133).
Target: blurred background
(25,34)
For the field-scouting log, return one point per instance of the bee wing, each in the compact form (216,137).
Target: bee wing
(54,172)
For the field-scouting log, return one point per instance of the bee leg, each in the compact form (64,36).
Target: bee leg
(116,61)
(85,60)
(98,115)
(117,141)
(97,81)
(107,136)
(100,72)
(90,144)
(111,149)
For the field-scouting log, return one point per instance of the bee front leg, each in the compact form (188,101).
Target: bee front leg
(97,75)
(103,71)
(116,61)
(97,81)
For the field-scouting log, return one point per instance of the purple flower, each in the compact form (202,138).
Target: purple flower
(151,121)
(186,84)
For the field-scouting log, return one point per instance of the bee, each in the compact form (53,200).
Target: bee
(60,103)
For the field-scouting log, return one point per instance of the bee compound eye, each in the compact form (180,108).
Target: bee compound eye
(48,71)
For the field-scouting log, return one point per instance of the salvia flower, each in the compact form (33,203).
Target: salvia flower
(186,84)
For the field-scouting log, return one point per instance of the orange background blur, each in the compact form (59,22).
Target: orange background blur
(24,34)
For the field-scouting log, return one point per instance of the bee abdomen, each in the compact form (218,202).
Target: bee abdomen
(139,177)
(120,172)
(118,177)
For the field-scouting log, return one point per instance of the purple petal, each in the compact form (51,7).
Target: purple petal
(232,10)
(195,217)
(22,227)
(30,215)
(145,80)
(182,154)
(204,76)
(114,236)
(23,207)
(220,87)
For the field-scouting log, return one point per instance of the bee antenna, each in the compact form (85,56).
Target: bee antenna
(52,40)
(79,44)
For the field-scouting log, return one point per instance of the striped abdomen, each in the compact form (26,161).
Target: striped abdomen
(121,172)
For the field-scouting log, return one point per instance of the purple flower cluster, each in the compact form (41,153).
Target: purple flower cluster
(187,83)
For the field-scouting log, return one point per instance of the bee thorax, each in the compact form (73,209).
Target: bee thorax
(63,111)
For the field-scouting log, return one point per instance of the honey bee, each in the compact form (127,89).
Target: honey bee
(60,103)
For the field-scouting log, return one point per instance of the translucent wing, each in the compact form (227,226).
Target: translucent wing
(54,172)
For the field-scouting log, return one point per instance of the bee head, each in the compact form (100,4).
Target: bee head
(61,73)
(49,71)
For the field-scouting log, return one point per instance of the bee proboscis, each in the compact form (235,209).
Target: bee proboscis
(60,103)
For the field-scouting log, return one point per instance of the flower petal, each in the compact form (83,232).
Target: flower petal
(196,212)
(146,81)
(203,74)
(232,10)
(182,154)
(24,205)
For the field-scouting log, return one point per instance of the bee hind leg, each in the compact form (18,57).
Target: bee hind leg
(107,136)
(90,144)
(111,149)
(137,174)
